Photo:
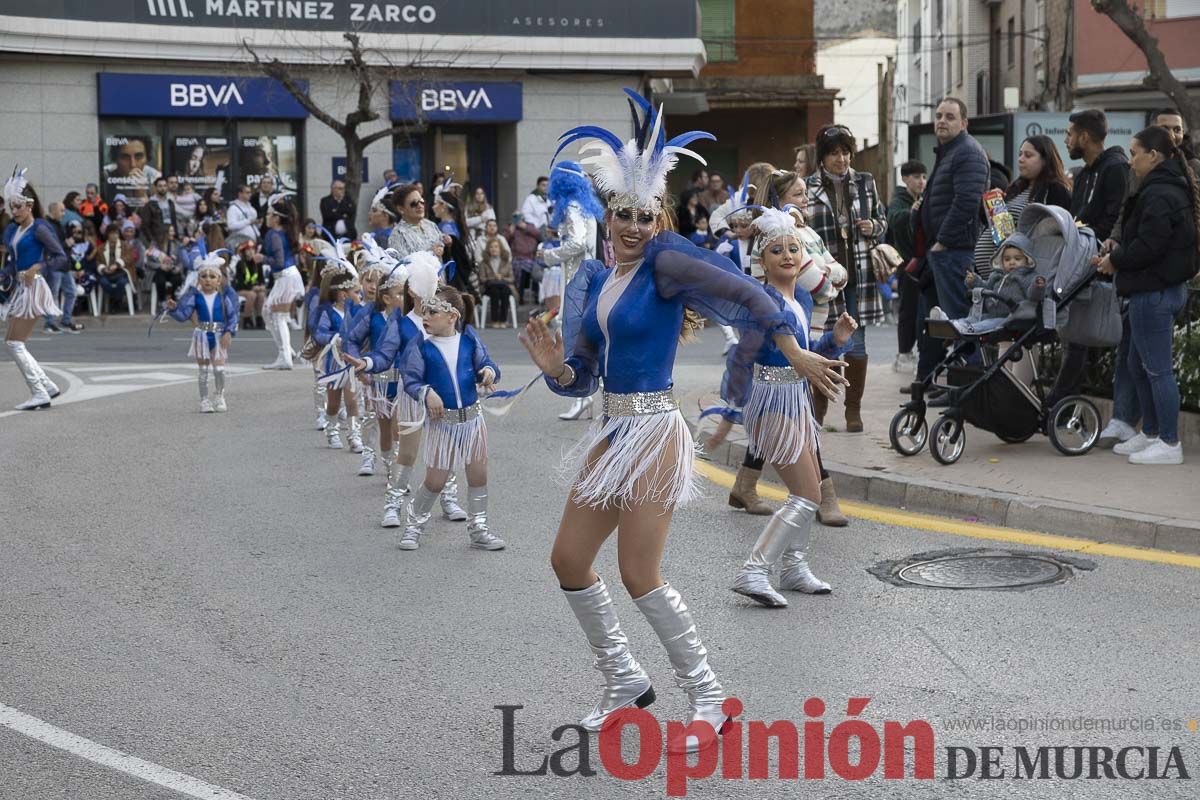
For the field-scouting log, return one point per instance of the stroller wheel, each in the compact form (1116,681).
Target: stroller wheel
(908,432)
(947,440)
(1074,425)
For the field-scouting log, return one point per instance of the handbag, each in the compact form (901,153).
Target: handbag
(885,260)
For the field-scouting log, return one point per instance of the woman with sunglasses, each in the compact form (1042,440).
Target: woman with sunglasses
(622,326)
(32,247)
(414,232)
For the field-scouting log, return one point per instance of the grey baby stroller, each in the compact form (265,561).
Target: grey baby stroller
(1071,306)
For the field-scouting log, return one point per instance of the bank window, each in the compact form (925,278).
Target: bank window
(200,153)
(268,148)
(717,29)
(131,158)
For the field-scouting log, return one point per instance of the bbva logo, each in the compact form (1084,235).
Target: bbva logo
(201,95)
(454,99)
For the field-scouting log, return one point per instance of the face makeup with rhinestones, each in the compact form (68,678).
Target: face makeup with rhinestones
(781,259)
(630,229)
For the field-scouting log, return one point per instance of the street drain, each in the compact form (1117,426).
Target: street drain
(979,569)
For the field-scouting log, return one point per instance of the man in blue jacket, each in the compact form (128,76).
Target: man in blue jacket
(949,215)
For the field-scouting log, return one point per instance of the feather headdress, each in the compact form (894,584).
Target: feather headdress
(737,207)
(211,262)
(774,223)
(423,270)
(379,202)
(446,186)
(335,251)
(14,187)
(633,175)
(374,258)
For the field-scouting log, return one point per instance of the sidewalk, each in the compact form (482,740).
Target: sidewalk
(1030,486)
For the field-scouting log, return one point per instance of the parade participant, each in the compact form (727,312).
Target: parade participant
(414,233)
(440,371)
(732,219)
(381,216)
(323,255)
(338,284)
(368,323)
(405,325)
(279,249)
(635,465)
(214,306)
(576,210)
(32,247)
(777,415)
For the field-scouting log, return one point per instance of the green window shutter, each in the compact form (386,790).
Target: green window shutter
(717,29)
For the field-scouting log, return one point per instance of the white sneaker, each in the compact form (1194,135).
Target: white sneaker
(356,446)
(937,313)
(1134,444)
(391,517)
(410,539)
(367,467)
(278,363)
(904,362)
(334,437)
(1114,433)
(1158,452)
(322,421)
(206,406)
(219,405)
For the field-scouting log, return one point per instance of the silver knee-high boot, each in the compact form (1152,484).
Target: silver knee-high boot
(219,385)
(670,618)
(625,682)
(369,434)
(477,516)
(419,509)
(754,578)
(27,364)
(796,576)
(206,406)
(397,488)
(355,434)
(320,395)
(451,510)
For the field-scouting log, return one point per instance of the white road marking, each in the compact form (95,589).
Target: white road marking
(97,753)
(146,376)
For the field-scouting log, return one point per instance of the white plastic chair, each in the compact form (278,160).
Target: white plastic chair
(481,311)
(100,302)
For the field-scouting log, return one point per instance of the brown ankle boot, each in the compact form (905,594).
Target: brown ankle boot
(830,513)
(856,374)
(744,493)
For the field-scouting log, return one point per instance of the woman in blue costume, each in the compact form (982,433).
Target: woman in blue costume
(777,414)
(214,306)
(635,465)
(279,248)
(32,247)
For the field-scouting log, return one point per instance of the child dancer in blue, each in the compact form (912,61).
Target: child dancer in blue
(441,372)
(338,284)
(366,327)
(214,306)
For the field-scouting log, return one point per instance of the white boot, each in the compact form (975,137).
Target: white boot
(28,366)
(333,435)
(355,435)
(274,331)
(320,394)
(577,409)
(418,515)
(285,340)
(206,405)
(796,575)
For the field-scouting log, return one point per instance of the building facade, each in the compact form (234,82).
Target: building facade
(116,91)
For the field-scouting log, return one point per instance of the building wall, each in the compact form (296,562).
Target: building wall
(773,37)
(772,137)
(851,65)
(1106,57)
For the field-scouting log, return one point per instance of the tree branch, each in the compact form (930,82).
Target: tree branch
(1129,20)
(371,138)
(277,70)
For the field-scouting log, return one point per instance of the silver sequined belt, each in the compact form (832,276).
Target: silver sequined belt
(768,374)
(210,327)
(637,404)
(456,416)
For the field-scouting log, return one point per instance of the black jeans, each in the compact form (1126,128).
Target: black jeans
(906,324)
(1070,373)
(167,283)
(499,292)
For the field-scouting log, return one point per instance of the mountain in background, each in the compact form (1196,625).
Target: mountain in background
(855,17)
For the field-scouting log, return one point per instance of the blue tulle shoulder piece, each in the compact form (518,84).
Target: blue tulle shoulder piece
(575,300)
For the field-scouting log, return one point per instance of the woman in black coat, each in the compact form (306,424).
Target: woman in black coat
(1156,257)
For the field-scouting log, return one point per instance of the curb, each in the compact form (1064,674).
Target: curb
(1041,514)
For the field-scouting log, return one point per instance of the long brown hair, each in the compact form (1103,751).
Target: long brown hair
(1052,170)
(464,304)
(775,186)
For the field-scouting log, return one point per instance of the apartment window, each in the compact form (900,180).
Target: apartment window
(1012,41)
(717,29)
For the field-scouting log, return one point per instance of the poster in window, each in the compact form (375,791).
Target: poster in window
(132,162)
(269,155)
(202,161)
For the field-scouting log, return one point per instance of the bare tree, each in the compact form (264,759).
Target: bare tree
(1129,20)
(372,85)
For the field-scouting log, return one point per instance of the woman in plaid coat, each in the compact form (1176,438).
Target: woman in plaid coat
(844,208)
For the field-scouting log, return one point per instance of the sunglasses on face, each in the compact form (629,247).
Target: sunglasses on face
(416,204)
(642,218)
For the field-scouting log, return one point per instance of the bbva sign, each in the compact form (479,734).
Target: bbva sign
(456,101)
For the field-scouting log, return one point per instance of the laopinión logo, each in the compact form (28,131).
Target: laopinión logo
(853,749)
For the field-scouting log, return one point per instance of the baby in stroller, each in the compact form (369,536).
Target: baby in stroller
(1011,283)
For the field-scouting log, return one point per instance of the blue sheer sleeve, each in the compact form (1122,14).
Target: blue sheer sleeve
(325,329)
(412,369)
(357,332)
(712,286)
(311,306)
(184,307)
(826,346)
(53,256)
(481,357)
(582,354)
(739,368)
(273,251)
(232,310)
(383,353)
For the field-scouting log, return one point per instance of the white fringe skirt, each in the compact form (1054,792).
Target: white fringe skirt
(633,459)
(451,445)
(30,302)
(552,283)
(288,288)
(206,346)
(778,416)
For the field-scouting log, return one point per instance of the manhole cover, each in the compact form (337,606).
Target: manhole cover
(982,572)
(979,568)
